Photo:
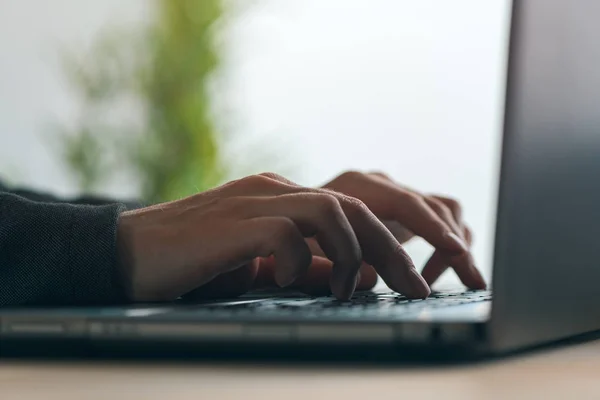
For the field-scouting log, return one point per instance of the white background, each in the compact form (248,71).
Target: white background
(410,87)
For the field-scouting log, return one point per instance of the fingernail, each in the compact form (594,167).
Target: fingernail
(455,243)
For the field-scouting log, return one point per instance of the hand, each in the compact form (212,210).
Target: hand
(171,249)
(407,213)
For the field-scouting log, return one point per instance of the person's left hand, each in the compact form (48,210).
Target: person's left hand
(405,212)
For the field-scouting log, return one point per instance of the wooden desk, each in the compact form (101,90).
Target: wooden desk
(565,373)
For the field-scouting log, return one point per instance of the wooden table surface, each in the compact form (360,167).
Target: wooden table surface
(571,372)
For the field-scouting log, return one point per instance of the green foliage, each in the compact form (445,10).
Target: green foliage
(164,70)
(81,151)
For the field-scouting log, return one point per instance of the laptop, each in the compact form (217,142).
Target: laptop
(546,266)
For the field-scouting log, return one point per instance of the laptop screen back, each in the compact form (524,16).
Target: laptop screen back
(547,253)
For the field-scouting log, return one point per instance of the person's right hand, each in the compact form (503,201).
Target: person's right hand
(171,249)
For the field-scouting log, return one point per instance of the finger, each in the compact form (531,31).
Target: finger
(402,234)
(379,247)
(437,264)
(434,267)
(278,237)
(381,250)
(434,221)
(388,179)
(314,247)
(446,215)
(437,226)
(368,277)
(390,201)
(245,241)
(367,272)
(449,215)
(456,210)
(319,215)
(229,284)
(468,234)
(453,211)
(316,280)
(453,205)
(463,264)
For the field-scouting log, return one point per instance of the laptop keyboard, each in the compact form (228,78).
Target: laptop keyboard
(361,304)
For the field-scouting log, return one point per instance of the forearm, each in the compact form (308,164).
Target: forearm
(57,253)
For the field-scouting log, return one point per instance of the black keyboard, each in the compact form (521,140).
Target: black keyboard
(372,304)
(379,301)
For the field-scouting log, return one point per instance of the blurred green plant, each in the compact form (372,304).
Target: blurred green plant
(161,74)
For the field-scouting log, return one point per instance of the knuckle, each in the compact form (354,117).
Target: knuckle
(284,229)
(454,205)
(355,206)
(436,205)
(380,174)
(272,175)
(352,174)
(468,235)
(439,208)
(244,182)
(256,181)
(327,203)
(413,200)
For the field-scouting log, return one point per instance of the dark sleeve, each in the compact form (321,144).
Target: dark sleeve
(87,200)
(57,253)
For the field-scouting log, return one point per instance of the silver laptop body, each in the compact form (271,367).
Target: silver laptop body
(546,272)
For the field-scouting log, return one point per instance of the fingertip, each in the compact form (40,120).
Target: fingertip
(285,277)
(479,283)
(284,281)
(474,282)
(412,285)
(477,280)
(421,287)
(343,287)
